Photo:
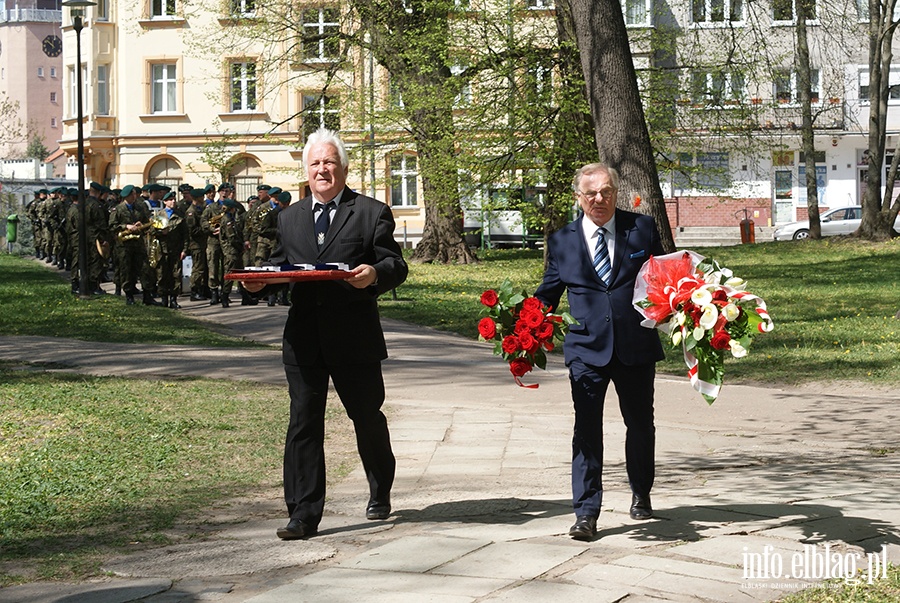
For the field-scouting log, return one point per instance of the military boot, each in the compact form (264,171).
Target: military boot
(214,297)
(173,303)
(149,301)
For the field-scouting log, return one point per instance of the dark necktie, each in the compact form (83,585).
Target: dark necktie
(602,264)
(322,222)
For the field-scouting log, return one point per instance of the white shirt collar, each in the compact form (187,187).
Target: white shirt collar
(590,229)
(336,200)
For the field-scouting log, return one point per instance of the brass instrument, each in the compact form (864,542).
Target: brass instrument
(215,219)
(159,223)
(137,233)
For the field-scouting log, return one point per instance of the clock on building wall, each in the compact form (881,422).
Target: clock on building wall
(52,46)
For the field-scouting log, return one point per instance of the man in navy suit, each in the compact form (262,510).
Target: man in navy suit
(333,331)
(597,258)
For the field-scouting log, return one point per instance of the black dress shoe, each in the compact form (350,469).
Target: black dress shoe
(640,507)
(378,510)
(585,528)
(295,530)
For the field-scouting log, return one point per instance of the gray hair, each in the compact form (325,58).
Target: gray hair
(326,136)
(593,168)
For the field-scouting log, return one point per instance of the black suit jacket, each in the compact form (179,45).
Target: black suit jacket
(332,320)
(608,323)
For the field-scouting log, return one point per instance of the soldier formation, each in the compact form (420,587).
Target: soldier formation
(142,234)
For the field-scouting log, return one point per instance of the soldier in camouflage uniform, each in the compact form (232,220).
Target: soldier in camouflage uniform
(61,205)
(208,222)
(231,238)
(267,231)
(44,211)
(96,228)
(172,243)
(196,244)
(127,223)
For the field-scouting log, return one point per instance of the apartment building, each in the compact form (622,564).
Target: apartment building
(31,76)
(177,92)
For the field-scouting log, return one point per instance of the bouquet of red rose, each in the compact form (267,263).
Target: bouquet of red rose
(522,328)
(703,308)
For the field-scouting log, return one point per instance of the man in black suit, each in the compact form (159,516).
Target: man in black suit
(597,258)
(333,331)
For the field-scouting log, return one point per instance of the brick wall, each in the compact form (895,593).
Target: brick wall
(716,211)
(803,212)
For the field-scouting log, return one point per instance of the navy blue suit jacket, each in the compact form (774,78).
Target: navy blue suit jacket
(608,323)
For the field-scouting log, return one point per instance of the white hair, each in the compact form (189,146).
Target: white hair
(326,136)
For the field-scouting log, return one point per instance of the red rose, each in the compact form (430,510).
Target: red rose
(489,298)
(720,296)
(533,304)
(529,343)
(720,340)
(487,328)
(510,344)
(519,366)
(522,326)
(548,345)
(544,331)
(533,318)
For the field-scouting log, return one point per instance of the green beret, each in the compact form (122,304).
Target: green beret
(197,193)
(284,197)
(209,188)
(274,191)
(126,190)
(230,203)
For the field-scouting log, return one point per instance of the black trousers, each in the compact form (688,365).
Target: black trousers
(634,387)
(361,390)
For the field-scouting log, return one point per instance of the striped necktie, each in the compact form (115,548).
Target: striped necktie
(602,264)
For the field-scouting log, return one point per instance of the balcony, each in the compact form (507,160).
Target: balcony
(30,15)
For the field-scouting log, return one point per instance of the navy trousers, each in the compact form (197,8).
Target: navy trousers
(634,387)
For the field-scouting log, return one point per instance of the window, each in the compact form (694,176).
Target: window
(703,171)
(165,171)
(102,89)
(717,11)
(403,180)
(54,123)
(102,10)
(637,12)
(243,87)
(163,88)
(395,97)
(783,10)
(73,89)
(539,3)
(245,8)
(893,85)
(786,86)
(320,29)
(320,111)
(40,72)
(162,9)
(53,97)
(53,72)
(716,88)
(464,98)
(539,83)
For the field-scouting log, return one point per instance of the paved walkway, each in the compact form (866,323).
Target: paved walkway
(763,483)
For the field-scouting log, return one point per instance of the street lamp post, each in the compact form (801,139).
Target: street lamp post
(76,7)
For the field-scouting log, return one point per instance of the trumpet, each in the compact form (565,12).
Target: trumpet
(137,233)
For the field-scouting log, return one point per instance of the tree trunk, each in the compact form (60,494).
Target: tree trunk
(878,214)
(808,143)
(573,131)
(621,131)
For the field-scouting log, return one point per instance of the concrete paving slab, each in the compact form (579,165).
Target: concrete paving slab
(512,560)
(415,554)
(537,591)
(353,586)
(106,591)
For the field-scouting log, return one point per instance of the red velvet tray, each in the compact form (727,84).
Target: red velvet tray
(276,277)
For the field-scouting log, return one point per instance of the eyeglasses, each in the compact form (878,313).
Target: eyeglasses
(607,193)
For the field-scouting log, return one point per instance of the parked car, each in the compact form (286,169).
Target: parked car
(839,221)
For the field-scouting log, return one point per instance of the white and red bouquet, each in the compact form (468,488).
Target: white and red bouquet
(703,308)
(522,328)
